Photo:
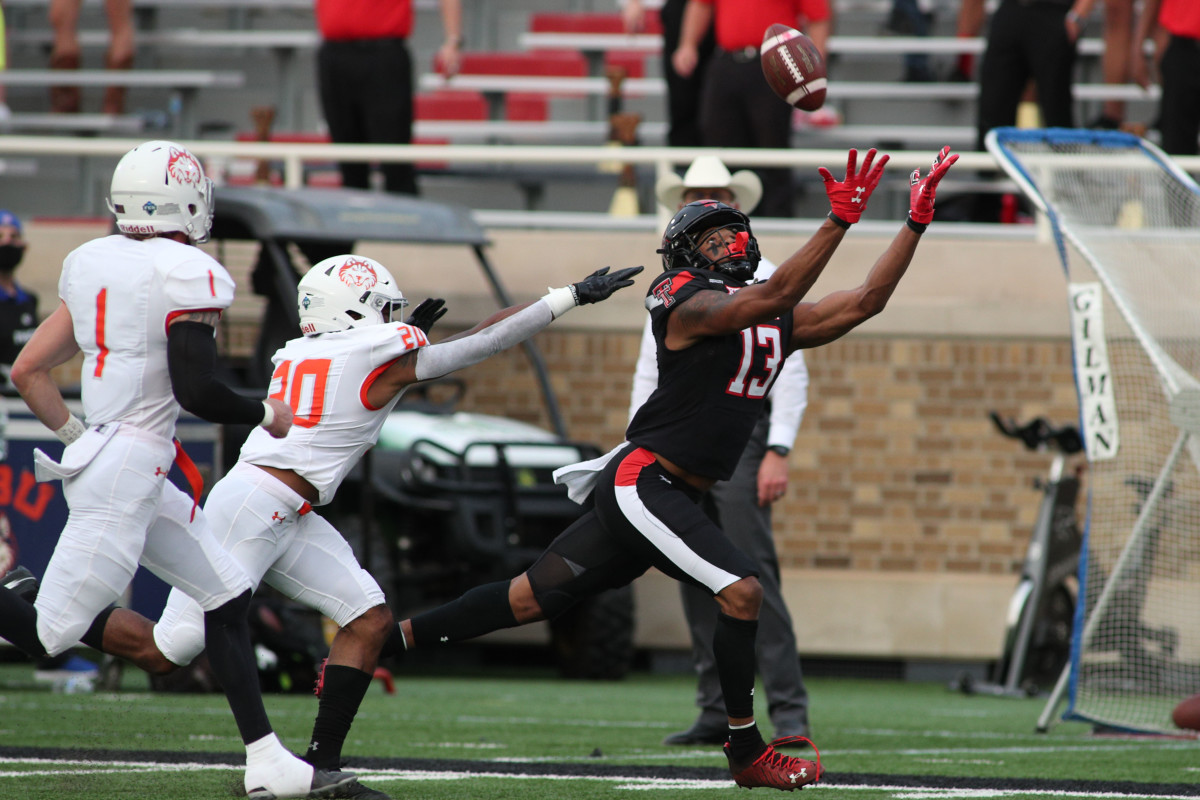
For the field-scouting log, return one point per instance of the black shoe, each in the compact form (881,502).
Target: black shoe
(23,582)
(700,734)
(356,791)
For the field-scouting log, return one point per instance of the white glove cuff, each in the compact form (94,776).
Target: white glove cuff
(71,430)
(560,300)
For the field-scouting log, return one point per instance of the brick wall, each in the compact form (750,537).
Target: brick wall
(897,466)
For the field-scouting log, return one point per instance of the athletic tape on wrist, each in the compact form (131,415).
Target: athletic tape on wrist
(560,300)
(71,430)
(268,415)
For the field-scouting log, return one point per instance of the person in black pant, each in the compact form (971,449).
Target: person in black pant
(683,92)
(1179,106)
(365,79)
(1030,39)
(721,343)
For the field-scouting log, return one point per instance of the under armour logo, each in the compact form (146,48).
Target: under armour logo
(445,639)
(803,773)
(664,479)
(858,193)
(159,471)
(313,745)
(277,517)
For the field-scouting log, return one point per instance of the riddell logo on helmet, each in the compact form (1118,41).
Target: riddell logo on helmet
(183,167)
(358,274)
(135,227)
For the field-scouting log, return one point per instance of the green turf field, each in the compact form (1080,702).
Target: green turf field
(531,736)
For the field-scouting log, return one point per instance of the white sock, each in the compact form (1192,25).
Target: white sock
(272,766)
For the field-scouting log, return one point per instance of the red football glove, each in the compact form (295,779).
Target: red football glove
(849,197)
(922,190)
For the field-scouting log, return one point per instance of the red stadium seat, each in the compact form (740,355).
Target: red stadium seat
(451,105)
(547,63)
(526,107)
(560,22)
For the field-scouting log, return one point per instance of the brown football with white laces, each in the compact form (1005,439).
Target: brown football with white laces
(793,67)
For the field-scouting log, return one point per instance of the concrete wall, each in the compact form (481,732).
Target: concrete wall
(907,519)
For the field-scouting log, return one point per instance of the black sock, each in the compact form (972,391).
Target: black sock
(94,636)
(733,651)
(341,695)
(393,645)
(18,623)
(481,610)
(227,638)
(745,745)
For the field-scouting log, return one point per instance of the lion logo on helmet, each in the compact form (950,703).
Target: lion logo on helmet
(358,274)
(183,167)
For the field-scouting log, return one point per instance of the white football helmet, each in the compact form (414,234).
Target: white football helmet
(160,187)
(346,292)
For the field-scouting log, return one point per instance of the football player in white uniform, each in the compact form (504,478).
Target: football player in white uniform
(340,380)
(142,306)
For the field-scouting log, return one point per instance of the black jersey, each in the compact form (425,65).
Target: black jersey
(18,320)
(709,395)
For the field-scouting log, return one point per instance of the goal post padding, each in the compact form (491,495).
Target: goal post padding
(1132,219)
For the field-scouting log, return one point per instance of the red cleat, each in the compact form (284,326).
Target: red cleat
(385,677)
(320,684)
(775,770)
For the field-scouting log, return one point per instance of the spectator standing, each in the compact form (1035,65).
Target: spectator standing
(1179,104)
(737,107)
(365,78)
(65,53)
(683,93)
(1030,39)
(742,504)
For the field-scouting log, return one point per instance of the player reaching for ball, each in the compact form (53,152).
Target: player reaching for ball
(721,342)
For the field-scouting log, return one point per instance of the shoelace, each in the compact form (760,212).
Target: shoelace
(778,759)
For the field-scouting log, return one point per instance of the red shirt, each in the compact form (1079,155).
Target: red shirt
(342,20)
(1180,17)
(740,23)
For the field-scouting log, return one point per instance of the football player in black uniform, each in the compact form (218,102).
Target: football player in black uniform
(720,344)
(18,306)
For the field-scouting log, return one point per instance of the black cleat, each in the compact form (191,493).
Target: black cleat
(23,582)
(356,791)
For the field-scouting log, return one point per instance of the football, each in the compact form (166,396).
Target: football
(793,67)
(1187,714)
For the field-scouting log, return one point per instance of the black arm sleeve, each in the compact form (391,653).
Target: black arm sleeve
(192,359)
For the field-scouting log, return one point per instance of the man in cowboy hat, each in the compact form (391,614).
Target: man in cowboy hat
(741,505)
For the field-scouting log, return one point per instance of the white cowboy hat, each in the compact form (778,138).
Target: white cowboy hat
(707,172)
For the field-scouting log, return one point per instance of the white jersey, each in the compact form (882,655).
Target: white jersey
(122,293)
(325,379)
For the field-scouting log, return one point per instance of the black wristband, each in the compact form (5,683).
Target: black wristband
(914,226)
(841,223)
